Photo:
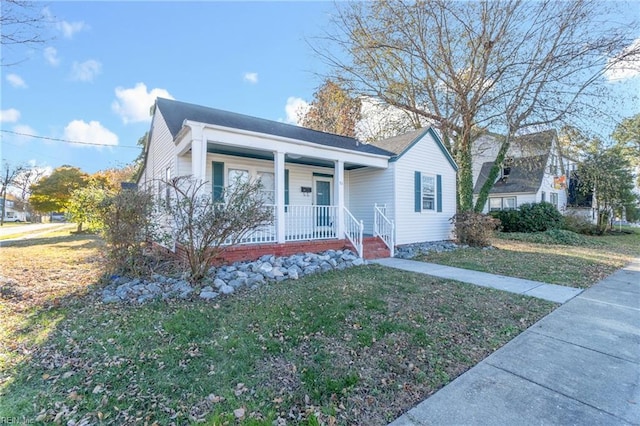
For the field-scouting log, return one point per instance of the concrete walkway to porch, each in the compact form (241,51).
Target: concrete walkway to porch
(550,292)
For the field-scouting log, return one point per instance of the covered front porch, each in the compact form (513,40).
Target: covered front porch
(305,185)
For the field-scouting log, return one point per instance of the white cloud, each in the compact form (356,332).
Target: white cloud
(627,64)
(69,29)
(251,77)
(295,108)
(85,71)
(92,132)
(23,130)
(51,55)
(16,81)
(134,104)
(10,115)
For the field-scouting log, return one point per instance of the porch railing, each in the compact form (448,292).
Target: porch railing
(263,234)
(310,222)
(383,227)
(353,229)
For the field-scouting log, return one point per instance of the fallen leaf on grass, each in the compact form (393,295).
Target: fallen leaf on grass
(239,413)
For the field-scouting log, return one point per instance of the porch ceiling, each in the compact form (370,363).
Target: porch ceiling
(250,152)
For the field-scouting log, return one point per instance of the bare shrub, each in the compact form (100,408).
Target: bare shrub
(128,228)
(205,227)
(474,229)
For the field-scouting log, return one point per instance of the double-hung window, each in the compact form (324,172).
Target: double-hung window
(267,190)
(236,177)
(428,193)
(502,203)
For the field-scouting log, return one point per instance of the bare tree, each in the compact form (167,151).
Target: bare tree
(204,227)
(476,67)
(22,23)
(9,174)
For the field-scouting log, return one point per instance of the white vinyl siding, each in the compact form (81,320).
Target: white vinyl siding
(369,186)
(160,155)
(411,226)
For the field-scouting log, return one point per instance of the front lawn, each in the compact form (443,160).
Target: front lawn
(536,257)
(360,346)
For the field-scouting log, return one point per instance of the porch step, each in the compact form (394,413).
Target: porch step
(375,248)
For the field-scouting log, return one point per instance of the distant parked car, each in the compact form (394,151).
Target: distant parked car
(58,217)
(12,219)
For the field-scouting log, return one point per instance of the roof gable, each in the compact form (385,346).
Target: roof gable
(526,176)
(401,144)
(176,112)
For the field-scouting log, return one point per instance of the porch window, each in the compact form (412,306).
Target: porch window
(428,193)
(237,176)
(268,187)
(502,203)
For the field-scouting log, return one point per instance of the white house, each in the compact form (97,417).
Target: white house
(326,190)
(533,171)
(13,211)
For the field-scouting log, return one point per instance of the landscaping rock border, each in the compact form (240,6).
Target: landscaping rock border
(229,278)
(409,251)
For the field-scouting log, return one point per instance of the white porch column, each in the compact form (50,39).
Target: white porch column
(278,165)
(198,154)
(338,183)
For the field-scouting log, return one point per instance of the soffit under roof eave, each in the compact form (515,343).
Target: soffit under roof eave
(347,155)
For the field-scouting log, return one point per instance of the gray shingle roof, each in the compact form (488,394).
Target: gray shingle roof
(526,176)
(402,143)
(398,144)
(175,112)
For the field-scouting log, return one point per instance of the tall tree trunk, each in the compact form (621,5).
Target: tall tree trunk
(465,173)
(483,195)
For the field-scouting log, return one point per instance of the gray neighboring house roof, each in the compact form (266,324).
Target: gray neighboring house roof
(176,112)
(525,176)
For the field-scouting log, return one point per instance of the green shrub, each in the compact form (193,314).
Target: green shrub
(552,236)
(474,229)
(579,225)
(509,220)
(530,217)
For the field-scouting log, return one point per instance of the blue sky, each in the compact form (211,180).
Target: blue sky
(95,79)
(104,63)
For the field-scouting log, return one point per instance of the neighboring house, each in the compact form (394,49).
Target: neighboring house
(533,171)
(325,189)
(13,211)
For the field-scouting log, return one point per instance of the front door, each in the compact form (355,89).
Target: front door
(323,198)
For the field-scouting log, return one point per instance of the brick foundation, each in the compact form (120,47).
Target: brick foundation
(249,252)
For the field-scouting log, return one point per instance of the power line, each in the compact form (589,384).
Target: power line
(68,141)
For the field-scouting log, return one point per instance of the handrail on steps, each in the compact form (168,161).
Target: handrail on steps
(383,227)
(354,230)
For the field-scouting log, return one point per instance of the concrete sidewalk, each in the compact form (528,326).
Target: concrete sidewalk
(551,292)
(579,365)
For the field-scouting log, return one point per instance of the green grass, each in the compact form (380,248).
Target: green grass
(556,257)
(359,346)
